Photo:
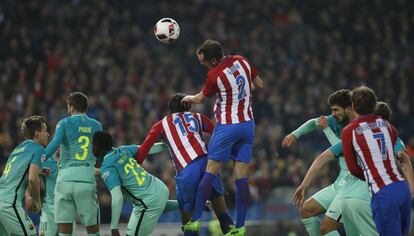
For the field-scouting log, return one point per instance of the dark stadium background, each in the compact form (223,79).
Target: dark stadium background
(304,50)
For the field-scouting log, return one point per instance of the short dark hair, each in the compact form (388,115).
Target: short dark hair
(384,110)
(175,105)
(102,143)
(32,124)
(364,100)
(211,49)
(78,100)
(340,98)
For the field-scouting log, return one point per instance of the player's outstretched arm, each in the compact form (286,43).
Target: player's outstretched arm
(407,169)
(305,128)
(196,99)
(34,187)
(117,200)
(318,163)
(330,135)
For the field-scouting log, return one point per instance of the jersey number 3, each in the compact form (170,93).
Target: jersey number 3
(84,141)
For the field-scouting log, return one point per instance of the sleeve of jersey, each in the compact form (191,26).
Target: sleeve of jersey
(133,149)
(207,124)
(57,139)
(307,127)
(210,87)
(331,136)
(153,135)
(399,146)
(39,157)
(117,200)
(349,154)
(254,72)
(337,149)
(110,177)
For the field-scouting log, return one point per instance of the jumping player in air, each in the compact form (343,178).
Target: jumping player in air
(232,78)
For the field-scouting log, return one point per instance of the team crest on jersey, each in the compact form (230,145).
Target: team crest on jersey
(43,158)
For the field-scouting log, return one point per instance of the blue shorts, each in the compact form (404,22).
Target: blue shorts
(187,181)
(232,141)
(391,209)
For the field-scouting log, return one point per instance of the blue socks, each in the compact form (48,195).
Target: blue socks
(242,200)
(203,192)
(225,222)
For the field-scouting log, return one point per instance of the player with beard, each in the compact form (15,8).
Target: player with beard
(325,200)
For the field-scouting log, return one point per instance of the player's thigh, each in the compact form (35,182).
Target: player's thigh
(334,210)
(48,226)
(221,142)
(143,221)
(325,196)
(187,181)
(243,147)
(15,221)
(64,205)
(87,205)
(357,217)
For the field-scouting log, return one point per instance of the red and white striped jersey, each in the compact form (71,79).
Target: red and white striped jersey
(368,145)
(183,134)
(231,80)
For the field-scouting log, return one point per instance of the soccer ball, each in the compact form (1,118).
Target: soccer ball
(167,30)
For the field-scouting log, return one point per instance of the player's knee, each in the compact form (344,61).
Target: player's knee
(306,212)
(328,225)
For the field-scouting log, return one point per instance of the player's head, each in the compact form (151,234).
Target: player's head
(384,110)
(210,53)
(101,143)
(341,105)
(35,128)
(363,100)
(175,105)
(77,102)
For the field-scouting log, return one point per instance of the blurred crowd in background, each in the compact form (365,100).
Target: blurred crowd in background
(304,50)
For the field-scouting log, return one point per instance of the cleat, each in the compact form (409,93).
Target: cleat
(236,231)
(192,226)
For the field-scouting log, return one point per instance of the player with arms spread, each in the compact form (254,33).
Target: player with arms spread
(232,78)
(21,172)
(126,179)
(368,143)
(326,199)
(183,131)
(75,185)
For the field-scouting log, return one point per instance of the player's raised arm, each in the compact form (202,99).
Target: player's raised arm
(196,99)
(305,128)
